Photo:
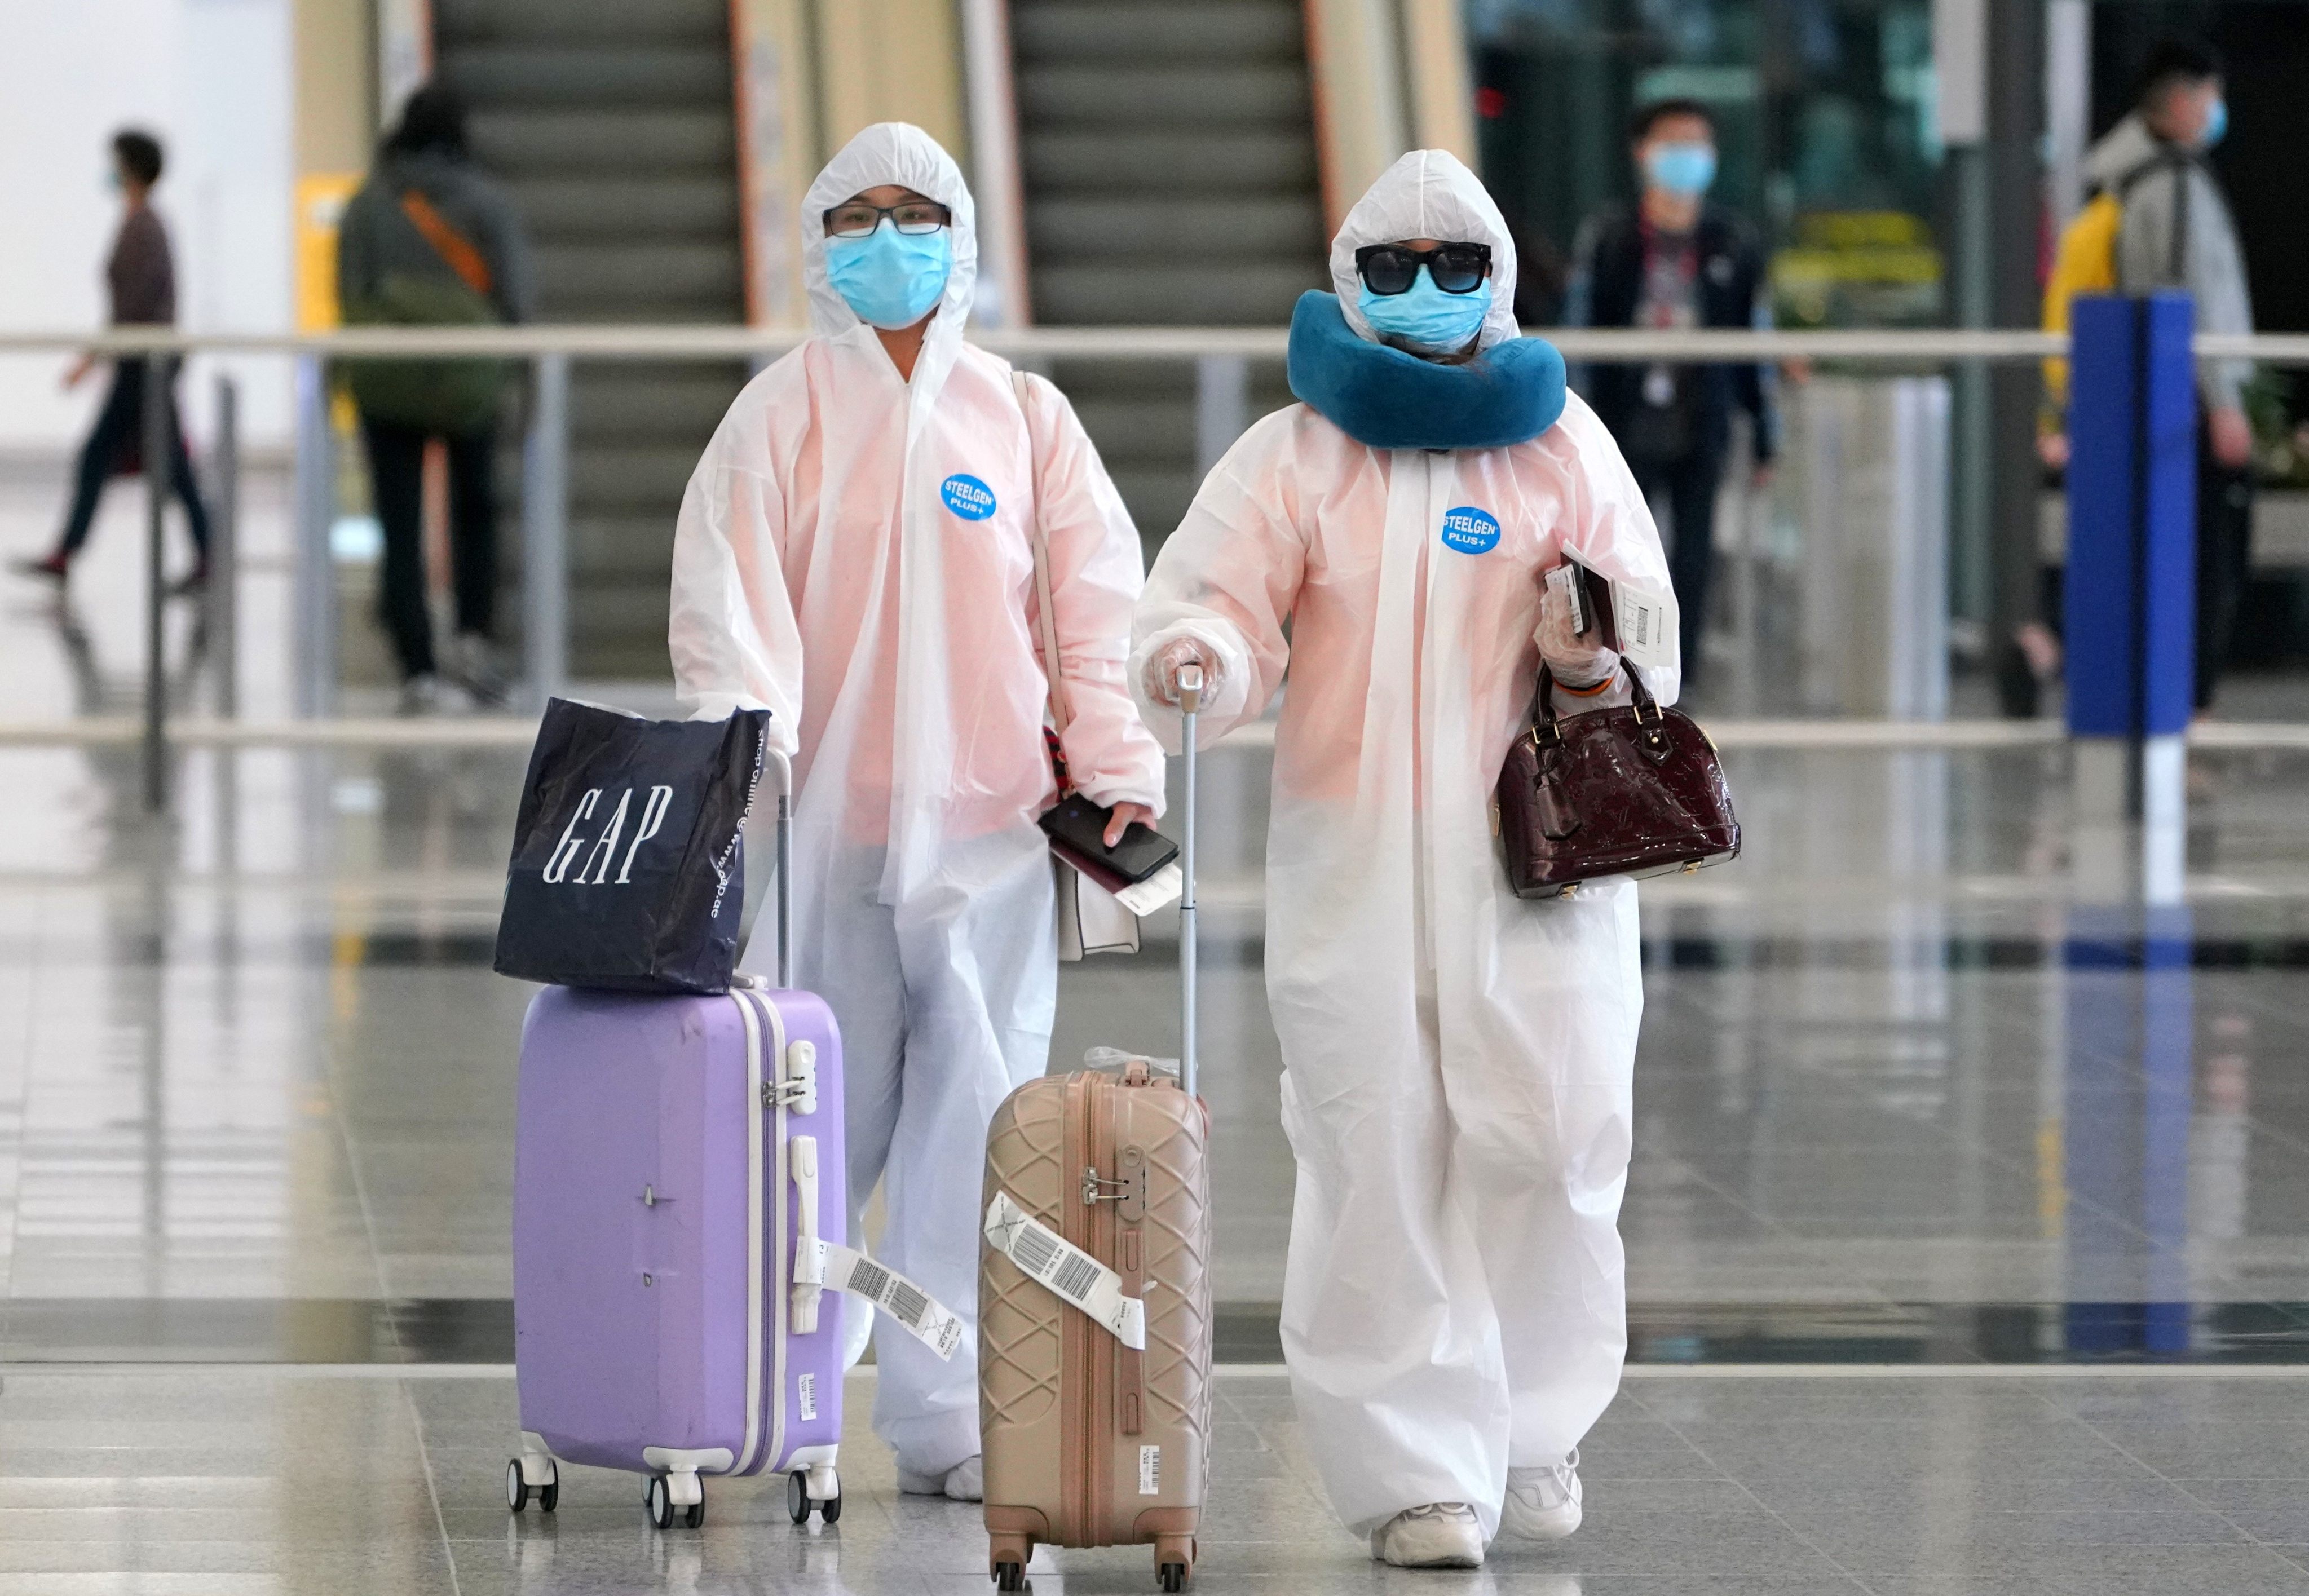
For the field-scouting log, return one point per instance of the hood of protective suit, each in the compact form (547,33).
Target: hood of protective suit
(901,153)
(1427,193)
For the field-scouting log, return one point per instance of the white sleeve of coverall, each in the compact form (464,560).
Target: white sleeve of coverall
(1611,526)
(732,633)
(1097,569)
(1228,578)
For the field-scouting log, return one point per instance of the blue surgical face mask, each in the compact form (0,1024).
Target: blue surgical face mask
(1686,169)
(2216,124)
(1426,318)
(891,278)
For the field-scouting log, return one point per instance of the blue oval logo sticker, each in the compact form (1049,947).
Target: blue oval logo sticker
(1470,530)
(973,500)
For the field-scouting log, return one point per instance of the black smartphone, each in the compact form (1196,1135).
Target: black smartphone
(1080,825)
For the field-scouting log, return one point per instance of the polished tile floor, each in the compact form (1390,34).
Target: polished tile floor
(296,1482)
(2003,1170)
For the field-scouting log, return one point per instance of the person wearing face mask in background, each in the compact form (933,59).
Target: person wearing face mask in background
(853,554)
(1675,260)
(140,278)
(1457,1062)
(2176,232)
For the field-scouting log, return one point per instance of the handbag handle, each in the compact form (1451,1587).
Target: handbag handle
(1545,728)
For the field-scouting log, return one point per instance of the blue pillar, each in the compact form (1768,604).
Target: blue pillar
(2128,618)
(2130,626)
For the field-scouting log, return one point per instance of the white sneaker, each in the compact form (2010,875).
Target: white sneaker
(1543,1504)
(472,665)
(965,1482)
(428,695)
(1439,1535)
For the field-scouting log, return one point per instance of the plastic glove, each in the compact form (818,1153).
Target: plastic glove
(1578,663)
(1162,679)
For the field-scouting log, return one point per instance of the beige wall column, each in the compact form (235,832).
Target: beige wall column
(335,119)
(1389,76)
(1354,55)
(890,60)
(1440,78)
(779,150)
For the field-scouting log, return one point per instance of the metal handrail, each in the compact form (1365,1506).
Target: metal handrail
(638,343)
(1220,356)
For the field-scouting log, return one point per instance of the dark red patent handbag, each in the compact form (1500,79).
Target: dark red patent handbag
(1636,790)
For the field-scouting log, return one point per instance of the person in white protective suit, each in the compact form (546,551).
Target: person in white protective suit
(1457,1062)
(853,554)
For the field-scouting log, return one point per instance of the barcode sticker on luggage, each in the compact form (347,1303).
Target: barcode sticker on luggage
(808,1394)
(906,1303)
(930,1320)
(1150,1470)
(1033,1250)
(1075,1277)
(1042,1255)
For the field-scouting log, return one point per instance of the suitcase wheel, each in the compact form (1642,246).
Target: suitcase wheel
(1010,1576)
(659,1502)
(798,1501)
(1174,1561)
(519,1490)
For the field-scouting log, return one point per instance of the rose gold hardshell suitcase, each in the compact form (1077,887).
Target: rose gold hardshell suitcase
(1088,1442)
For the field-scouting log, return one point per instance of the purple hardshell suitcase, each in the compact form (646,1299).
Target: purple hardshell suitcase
(672,1157)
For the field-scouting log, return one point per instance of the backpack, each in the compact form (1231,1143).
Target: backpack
(454,397)
(2085,262)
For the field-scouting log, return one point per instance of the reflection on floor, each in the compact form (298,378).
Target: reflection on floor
(1917,1086)
(300,1484)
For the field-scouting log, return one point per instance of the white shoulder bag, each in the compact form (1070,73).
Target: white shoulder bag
(1091,920)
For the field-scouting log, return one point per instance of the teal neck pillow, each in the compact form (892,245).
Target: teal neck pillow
(1510,393)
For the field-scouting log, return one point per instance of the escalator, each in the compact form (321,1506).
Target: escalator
(611,125)
(1169,161)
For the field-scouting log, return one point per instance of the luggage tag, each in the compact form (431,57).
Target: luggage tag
(1158,891)
(1072,1274)
(846,1270)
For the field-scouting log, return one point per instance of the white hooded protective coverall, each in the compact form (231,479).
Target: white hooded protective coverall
(1457,1062)
(852,553)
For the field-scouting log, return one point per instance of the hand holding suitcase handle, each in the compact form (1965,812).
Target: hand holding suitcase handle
(1190,701)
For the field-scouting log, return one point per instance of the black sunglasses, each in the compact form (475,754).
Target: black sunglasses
(1391,269)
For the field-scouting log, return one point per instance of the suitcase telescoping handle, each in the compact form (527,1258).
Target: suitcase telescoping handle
(1190,702)
(780,771)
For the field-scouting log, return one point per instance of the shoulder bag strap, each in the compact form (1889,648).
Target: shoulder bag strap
(1049,629)
(457,252)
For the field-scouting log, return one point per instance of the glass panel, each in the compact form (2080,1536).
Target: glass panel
(1825,113)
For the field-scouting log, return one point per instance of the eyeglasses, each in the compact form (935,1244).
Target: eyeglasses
(855,220)
(1455,268)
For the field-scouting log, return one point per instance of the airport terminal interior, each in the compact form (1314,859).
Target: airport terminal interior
(1967,1223)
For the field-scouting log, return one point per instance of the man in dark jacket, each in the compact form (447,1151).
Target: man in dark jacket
(1673,261)
(140,279)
